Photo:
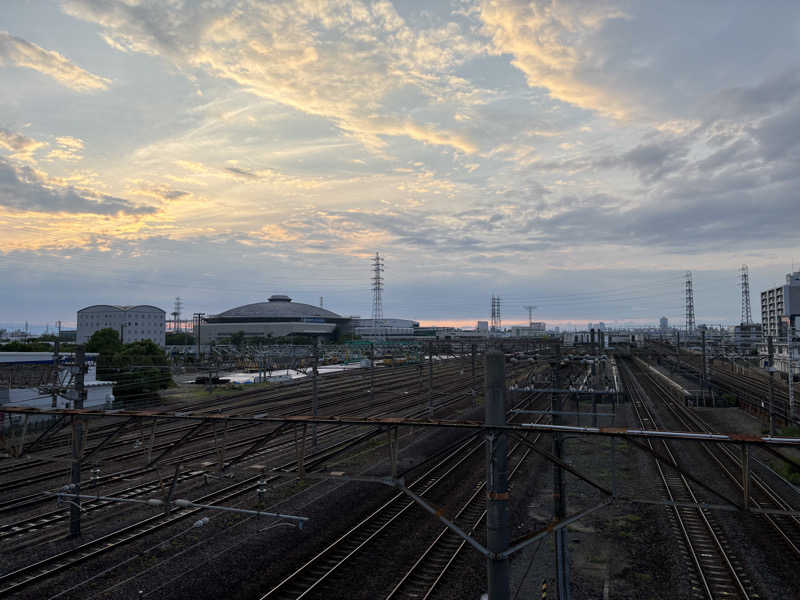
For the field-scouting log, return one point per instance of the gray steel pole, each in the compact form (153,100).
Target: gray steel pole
(703,371)
(77,443)
(430,378)
(372,373)
(498,526)
(771,368)
(789,368)
(56,383)
(473,366)
(315,394)
(559,492)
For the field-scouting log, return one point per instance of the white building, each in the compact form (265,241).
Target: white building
(133,323)
(780,303)
(385,329)
(780,319)
(482,327)
(536,329)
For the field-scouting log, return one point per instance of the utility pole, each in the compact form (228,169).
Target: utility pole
(315,394)
(77,443)
(678,349)
(498,526)
(474,377)
(530,310)
(790,369)
(771,369)
(372,373)
(56,358)
(197,317)
(596,371)
(703,371)
(559,498)
(430,379)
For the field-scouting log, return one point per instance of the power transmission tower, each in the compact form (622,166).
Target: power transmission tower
(689,304)
(497,321)
(176,315)
(747,317)
(377,294)
(530,310)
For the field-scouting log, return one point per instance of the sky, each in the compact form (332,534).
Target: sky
(578,156)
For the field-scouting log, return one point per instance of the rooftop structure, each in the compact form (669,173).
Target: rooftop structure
(278,317)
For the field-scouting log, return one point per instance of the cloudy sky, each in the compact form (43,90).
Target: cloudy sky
(577,156)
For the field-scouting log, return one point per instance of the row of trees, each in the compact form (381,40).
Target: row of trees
(139,369)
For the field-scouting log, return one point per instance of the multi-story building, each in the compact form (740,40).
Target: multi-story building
(133,323)
(778,304)
(780,320)
(663,323)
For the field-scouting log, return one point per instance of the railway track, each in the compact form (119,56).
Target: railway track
(717,572)
(34,524)
(425,575)
(340,402)
(309,580)
(28,576)
(763,495)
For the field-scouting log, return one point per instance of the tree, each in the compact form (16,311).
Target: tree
(179,339)
(26,347)
(237,339)
(138,370)
(106,342)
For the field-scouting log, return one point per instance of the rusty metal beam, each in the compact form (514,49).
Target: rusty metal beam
(619,432)
(55,426)
(564,465)
(108,438)
(255,445)
(665,459)
(178,443)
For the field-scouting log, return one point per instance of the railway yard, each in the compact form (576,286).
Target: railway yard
(247,496)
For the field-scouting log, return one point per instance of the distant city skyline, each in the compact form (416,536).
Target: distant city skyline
(579,157)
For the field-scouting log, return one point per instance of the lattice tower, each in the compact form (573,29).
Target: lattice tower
(497,321)
(530,310)
(689,304)
(176,315)
(747,317)
(377,292)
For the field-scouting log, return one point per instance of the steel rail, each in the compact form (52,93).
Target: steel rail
(700,538)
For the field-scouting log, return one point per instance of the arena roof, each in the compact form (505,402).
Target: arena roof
(278,306)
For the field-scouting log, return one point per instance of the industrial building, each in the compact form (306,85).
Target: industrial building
(133,323)
(278,317)
(23,375)
(384,328)
(537,329)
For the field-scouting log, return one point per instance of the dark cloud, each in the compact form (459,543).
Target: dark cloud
(23,189)
(657,160)
(241,173)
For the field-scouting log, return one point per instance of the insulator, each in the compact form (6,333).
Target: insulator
(201,522)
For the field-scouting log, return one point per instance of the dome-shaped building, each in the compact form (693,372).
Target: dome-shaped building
(278,317)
